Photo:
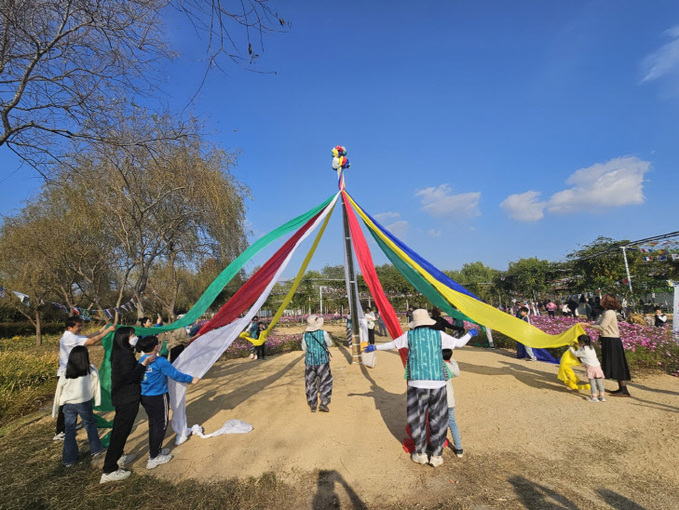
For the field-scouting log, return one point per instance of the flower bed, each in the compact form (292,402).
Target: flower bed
(646,347)
(275,344)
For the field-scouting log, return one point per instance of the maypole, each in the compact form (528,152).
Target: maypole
(341,163)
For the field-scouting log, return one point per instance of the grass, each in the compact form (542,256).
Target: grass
(32,477)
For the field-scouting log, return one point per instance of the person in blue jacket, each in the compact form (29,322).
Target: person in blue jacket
(156,399)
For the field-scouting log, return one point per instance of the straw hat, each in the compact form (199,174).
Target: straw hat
(314,323)
(421,318)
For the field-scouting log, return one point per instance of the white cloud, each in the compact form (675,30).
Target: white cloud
(434,233)
(387,216)
(392,222)
(398,228)
(439,202)
(664,60)
(524,206)
(616,183)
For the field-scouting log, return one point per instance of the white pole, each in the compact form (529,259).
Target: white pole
(629,278)
(320,290)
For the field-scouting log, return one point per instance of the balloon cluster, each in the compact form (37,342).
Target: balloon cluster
(339,158)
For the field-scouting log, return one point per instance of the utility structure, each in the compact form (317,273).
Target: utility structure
(340,163)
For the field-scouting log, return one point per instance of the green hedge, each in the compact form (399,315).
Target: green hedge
(12,329)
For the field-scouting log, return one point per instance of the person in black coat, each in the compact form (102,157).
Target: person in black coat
(442,324)
(126,376)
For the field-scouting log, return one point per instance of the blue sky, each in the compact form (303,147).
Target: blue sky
(488,131)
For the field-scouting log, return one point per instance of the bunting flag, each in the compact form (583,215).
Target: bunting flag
(465,301)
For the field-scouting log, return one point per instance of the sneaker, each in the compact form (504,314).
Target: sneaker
(126,459)
(418,458)
(313,409)
(252,356)
(69,465)
(436,461)
(592,399)
(116,476)
(157,461)
(164,451)
(59,437)
(323,408)
(458,453)
(602,399)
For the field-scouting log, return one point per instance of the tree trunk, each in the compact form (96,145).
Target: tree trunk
(38,329)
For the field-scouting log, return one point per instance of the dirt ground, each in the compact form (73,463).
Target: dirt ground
(528,441)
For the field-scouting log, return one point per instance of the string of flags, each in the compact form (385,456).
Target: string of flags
(86,313)
(659,253)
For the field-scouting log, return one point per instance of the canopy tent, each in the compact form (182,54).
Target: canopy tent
(234,316)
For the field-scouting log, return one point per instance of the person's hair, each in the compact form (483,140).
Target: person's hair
(260,323)
(524,309)
(657,309)
(147,343)
(447,354)
(367,309)
(123,335)
(143,320)
(586,340)
(609,302)
(255,318)
(78,362)
(436,312)
(72,321)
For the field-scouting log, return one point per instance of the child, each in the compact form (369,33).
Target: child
(523,315)
(259,349)
(593,372)
(453,371)
(660,318)
(155,398)
(75,390)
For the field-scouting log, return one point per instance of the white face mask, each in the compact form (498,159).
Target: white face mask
(133,340)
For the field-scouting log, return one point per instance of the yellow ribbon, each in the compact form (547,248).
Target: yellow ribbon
(479,311)
(295,284)
(566,374)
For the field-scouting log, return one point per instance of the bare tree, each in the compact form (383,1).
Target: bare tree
(66,65)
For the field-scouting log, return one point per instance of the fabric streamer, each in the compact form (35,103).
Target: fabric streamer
(199,356)
(474,308)
(230,427)
(247,294)
(566,373)
(295,284)
(205,300)
(367,266)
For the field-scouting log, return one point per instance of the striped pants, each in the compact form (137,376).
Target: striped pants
(420,402)
(310,374)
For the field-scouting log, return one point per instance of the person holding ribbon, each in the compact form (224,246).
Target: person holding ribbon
(315,343)
(427,405)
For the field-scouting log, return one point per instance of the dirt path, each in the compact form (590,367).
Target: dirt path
(528,441)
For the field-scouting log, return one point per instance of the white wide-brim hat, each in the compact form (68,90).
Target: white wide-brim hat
(421,318)
(314,323)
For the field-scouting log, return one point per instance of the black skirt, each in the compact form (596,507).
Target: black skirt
(613,360)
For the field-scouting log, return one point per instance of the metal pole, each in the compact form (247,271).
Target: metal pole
(629,278)
(353,307)
(320,290)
